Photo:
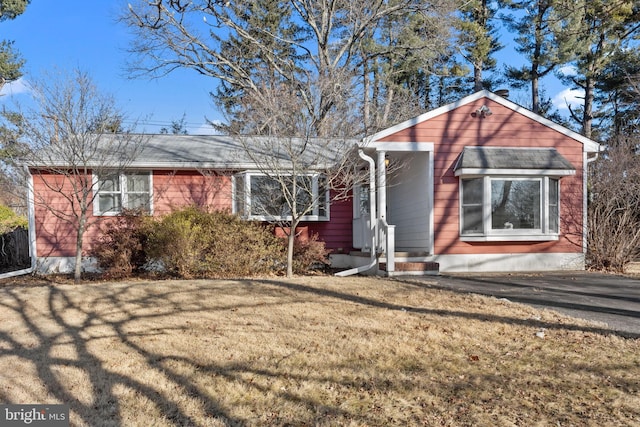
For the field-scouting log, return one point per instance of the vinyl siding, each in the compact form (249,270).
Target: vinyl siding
(452,131)
(171,190)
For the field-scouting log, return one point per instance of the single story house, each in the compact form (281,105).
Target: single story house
(481,184)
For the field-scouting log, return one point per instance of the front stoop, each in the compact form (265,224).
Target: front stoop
(415,268)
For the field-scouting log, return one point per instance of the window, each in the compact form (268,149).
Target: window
(509,208)
(127,190)
(260,197)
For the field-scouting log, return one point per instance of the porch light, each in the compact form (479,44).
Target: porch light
(482,112)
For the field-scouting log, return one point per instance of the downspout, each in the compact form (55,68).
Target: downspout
(373,223)
(32,229)
(585,203)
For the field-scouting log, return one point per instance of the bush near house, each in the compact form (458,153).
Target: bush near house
(309,253)
(120,250)
(195,243)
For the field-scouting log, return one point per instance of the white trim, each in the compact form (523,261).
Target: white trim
(401,146)
(589,145)
(506,237)
(314,217)
(31,216)
(585,202)
(490,234)
(123,193)
(430,200)
(469,172)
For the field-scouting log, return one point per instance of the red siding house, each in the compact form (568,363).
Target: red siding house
(478,185)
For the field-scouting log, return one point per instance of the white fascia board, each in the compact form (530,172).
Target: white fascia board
(514,172)
(426,116)
(190,165)
(589,145)
(400,146)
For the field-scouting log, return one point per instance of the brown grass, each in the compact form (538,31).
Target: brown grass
(308,351)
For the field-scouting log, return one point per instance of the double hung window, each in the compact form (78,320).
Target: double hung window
(116,192)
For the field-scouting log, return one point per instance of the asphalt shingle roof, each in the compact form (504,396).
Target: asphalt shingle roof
(512,158)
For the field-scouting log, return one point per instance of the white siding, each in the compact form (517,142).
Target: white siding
(408,200)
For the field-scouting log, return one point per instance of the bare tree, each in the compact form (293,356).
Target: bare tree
(241,43)
(71,139)
(299,171)
(614,207)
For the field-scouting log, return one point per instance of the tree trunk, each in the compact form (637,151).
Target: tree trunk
(77,274)
(291,238)
(477,77)
(366,102)
(290,241)
(587,114)
(535,96)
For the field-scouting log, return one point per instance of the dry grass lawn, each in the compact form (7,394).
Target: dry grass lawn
(309,351)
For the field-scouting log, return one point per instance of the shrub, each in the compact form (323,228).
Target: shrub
(613,220)
(120,249)
(195,243)
(309,253)
(9,220)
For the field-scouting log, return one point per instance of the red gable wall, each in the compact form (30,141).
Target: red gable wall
(452,131)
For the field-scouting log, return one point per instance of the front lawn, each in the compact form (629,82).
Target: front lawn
(307,351)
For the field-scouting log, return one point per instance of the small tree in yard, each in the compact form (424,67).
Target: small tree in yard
(75,133)
(614,207)
(302,163)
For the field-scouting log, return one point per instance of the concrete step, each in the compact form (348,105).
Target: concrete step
(413,268)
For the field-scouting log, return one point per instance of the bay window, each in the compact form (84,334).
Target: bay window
(509,208)
(510,194)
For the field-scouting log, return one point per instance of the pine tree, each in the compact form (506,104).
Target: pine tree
(593,31)
(535,22)
(10,61)
(478,38)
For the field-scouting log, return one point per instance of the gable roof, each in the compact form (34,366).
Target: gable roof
(590,145)
(166,151)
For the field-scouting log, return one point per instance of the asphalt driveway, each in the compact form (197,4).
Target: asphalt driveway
(610,299)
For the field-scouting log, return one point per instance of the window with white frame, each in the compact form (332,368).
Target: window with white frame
(509,208)
(261,197)
(116,192)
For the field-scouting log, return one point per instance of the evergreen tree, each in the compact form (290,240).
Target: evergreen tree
(618,95)
(10,61)
(593,30)
(478,38)
(536,24)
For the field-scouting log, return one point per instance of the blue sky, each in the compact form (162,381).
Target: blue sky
(84,34)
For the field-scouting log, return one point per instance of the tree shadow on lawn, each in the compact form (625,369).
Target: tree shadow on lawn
(47,331)
(449,313)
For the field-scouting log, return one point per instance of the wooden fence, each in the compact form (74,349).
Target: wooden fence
(14,250)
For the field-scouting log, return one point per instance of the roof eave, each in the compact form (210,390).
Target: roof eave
(589,145)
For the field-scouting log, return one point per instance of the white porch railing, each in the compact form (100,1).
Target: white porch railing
(387,243)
